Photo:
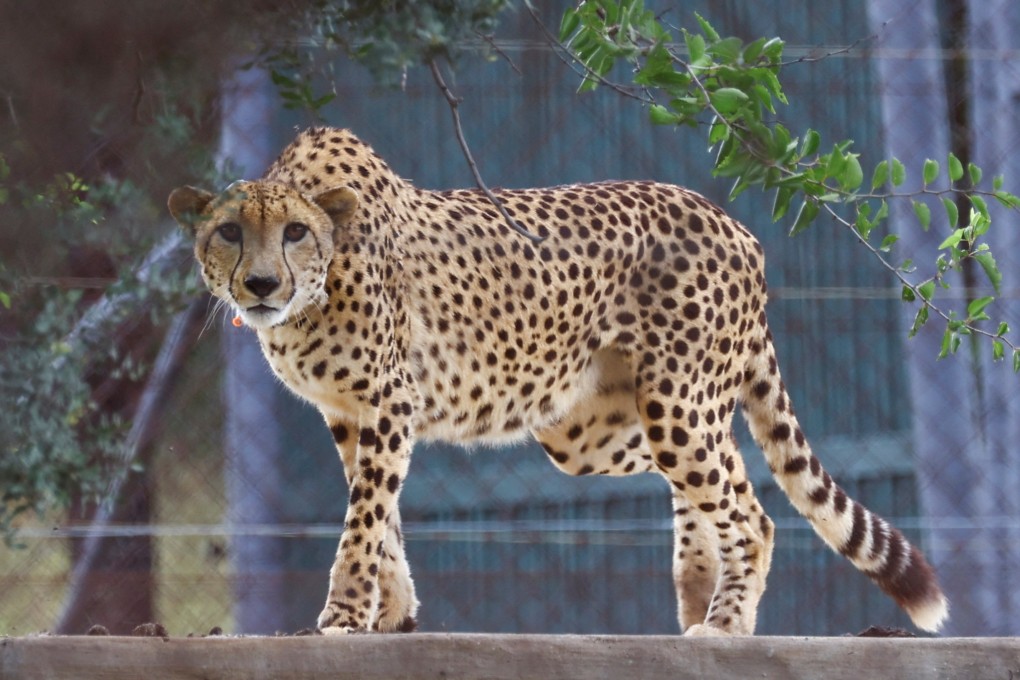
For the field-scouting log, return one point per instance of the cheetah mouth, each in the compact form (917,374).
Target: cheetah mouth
(262,309)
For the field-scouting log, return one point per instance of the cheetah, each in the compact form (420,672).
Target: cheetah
(622,342)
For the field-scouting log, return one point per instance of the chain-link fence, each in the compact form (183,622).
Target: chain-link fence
(232,511)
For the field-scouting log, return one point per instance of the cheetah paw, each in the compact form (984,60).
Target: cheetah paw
(704,630)
(332,622)
(340,630)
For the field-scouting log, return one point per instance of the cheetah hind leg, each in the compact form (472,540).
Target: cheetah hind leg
(695,563)
(700,579)
(603,434)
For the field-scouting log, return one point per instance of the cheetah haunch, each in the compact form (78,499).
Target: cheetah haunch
(623,343)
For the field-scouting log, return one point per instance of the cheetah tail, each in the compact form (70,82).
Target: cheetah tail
(868,541)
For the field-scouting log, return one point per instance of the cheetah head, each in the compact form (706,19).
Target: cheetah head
(264,247)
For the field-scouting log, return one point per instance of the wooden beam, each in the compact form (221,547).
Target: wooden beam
(546,657)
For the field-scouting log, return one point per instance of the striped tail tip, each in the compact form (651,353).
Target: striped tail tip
(929,615)
(915,588)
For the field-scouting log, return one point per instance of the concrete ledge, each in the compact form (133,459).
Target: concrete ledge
(545,657)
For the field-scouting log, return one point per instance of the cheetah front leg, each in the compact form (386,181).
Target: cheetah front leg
(376,470)
(398,604)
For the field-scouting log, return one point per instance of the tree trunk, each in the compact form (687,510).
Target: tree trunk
(949,473)
(112,582)
(251,395)
(993,93)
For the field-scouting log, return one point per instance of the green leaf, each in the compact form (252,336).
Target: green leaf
(727,50)
(975,174)
(5,299)
(772,83)
(807,214)
(926,290)
(811,142)
(568,24)
(773,50)
(1003,329)
(863,224)
(899,173)
(919,320)
(323,100)
(281,80)
(782,202)
(728,99)
(923,213)
(976,308)
(952,240)
(836,161)
(706,28)
(907,294)
(955,167)
(931,171)
(852,175)
(880,176)
(987,263)
(1016,361)
(719,132)
(982,208)
(952,212)
(695,47)
(753,50)
(998,350)
(947,343)
(997,182)
(660,115)
(883,212)
(1007,199)
(887,242)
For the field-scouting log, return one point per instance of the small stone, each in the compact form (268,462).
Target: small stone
(150,630)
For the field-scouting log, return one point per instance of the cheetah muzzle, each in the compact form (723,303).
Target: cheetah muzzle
(623,343)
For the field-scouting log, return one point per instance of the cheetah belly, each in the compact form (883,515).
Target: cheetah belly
(467,401)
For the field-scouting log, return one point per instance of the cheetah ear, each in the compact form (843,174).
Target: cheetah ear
(340,204)
(186,203)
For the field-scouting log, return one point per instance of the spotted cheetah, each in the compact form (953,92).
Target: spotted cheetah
(622,342)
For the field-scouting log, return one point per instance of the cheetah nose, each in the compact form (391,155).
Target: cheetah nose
(261,285)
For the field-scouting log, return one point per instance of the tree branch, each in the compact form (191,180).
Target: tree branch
(454,102)
(559,49)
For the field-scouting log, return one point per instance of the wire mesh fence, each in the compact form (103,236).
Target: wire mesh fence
(230,515)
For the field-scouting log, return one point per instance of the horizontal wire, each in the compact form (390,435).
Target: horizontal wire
(876,293)
(805,52)
(453,530)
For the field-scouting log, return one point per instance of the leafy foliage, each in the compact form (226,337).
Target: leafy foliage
(388,37)
(83,198)
(730,89)
(56,438)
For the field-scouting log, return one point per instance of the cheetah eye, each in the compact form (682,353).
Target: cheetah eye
(295,231)
(230,232)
